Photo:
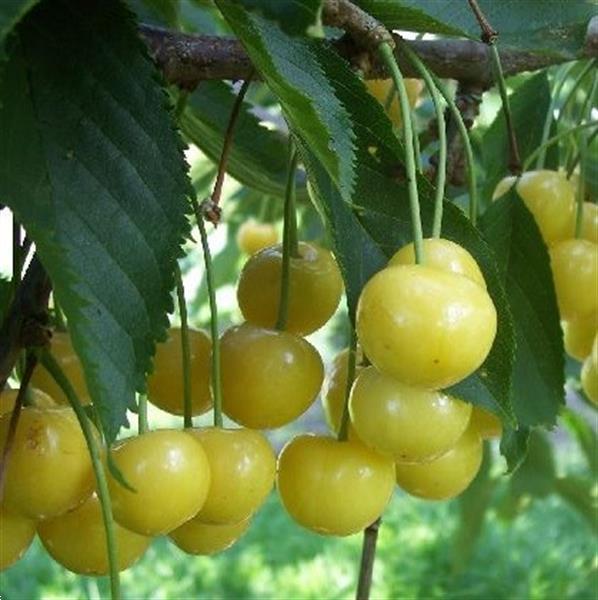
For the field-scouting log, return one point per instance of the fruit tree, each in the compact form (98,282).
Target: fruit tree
(421,175)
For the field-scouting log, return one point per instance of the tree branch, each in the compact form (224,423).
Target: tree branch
(186,59)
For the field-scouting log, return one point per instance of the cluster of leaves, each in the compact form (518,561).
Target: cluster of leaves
(92,167)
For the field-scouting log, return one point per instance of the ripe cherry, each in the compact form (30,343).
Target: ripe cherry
(487,424)
(425,327)
(253,236)
(578,336)
(269,377)
(165,385)
(16,534)
(34,397)
(195,537)
(331,487)
(381,88)
(315,288)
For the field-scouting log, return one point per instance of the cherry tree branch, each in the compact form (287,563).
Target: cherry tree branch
(187,59)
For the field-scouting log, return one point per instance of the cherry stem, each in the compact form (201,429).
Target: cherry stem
(52,366)
(343,430)
(368,555)
(571,94)
(17,253)
(388,57)
(290,245)
(216,380)
(550,113)
(442,144)
(187,405)
(553,140)
(228,140)
(30,363)
(142,422)
(463,131)
(577,158)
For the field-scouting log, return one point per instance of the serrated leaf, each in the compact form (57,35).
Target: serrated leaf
(92,168)
(538,375)
(537,473)
(11,13)
(372,218)
(293,72)
(294,17)
(556,27)
(514,446)
(258,155)
(529,104)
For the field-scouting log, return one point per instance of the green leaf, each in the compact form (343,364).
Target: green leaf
(6,288)
(92,168)
(579,493)
(538,375)
(537,473)
(370,219)
(294,17)
(556,27)
(514,446)
(293,72)
(11,13)
(529,105)
(258,155)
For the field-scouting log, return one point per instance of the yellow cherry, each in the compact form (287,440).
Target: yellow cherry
(503,186)
(589,223)
(315,288)
(33,397)
(16,535)
(444,255)
(195,537)
(165,385)
(447,476)
(381,88)
(425,327)
(77,540)
(589,379)
(485,423)
(578,336)
(253,236)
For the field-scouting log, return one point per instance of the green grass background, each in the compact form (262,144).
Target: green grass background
(547,553)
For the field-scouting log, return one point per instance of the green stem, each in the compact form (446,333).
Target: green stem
(577,158)
(343,430)
(52,366)
(181,103)
(142,422)
(418,158)
(587,112)
(216,382)
(553,140)
(16,254)
(471,175)
(388,57)
(550,113)
(571,94)
(290,245)
(442,150)
(581,187)
(389,98)
(515,161)
(186,353)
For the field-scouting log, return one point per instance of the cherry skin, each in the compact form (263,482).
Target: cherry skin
(165,385)
(332,487)
(314,291)
(77,540)
(503,186)
(17,533)
(444,255)
(269,377)
(589,222)
(485,423)
(447,476)
(64,353)
(425,327)
(578,336)
(595,352)
(49,471)
(243,467)
(589,379)
(334,391)
(407,423)
(575,271)
(195,537)
(34,397)
(381,88)
(171,475)
(253,236)
(550,197)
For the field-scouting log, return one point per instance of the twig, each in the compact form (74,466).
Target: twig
(213,210)
(186,59)
(368,554)
(30,363)
(489,36)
